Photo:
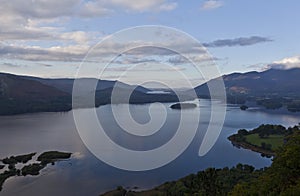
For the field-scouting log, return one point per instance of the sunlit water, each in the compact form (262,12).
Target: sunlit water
(86,175)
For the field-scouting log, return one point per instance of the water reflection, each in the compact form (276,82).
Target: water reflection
(85,174)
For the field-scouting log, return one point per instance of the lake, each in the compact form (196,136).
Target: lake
(84,174)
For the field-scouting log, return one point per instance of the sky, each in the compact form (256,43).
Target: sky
(51,38)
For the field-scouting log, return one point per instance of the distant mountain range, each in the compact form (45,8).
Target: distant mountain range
(269,83)
(272,89)
(23,94)
(66,85)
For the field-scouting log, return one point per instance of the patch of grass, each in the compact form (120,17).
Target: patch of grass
(275,141)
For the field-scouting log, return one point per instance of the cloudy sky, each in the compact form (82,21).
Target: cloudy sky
(50,38)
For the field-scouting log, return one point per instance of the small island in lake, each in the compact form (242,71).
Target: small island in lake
(30,169)
(183,106)
(244,107)
(265,139)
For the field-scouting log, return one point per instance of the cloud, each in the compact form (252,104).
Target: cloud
(29,27)
(211,4)
(285,63)
(44,20)
(15,65)
(79,37)
(44,9)
(40,8)
(168,6)
(200,58)
(44,65)
(144,68)
(73,46)
(154,47)
(241,41)
(93,9)
(132,59)
(35,53)
(144,6)
(151,50)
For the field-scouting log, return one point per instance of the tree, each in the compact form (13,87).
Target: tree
(282,178)
(243,132)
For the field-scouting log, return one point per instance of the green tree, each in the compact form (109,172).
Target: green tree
(282,178)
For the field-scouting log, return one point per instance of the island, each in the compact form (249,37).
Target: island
(179,106)
(244,107)
(29,169)
(18,159)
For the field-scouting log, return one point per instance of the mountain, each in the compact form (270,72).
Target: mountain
(66,84)
(19,95)
(271,82)
(25,94)
(15,87)
(135,97)
(272,88)
(22,94)
(138,94)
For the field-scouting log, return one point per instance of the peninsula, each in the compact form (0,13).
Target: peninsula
(265,139)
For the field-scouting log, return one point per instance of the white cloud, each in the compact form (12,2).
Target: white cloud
(168,6)
(145,5)
(93,9)
(79,37)
(44,20)
(73,46)
(211,4)
(145,68)
(198,58)
(40,8)
(16,10)
(289,60)
(286,63)
(37,53)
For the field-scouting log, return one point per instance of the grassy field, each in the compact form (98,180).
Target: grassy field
(275,140)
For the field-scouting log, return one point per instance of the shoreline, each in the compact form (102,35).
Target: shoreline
(247,146)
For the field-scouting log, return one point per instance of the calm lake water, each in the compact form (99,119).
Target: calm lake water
(84,174)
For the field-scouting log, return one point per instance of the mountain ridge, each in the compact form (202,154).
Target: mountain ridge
(22,94)
(27,94)
(265,83)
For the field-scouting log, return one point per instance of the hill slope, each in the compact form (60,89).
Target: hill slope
(18,95)
(24,94)
(66,84)
(272,89)
(270,82)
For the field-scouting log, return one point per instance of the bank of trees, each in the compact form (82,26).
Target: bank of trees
(281,178)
